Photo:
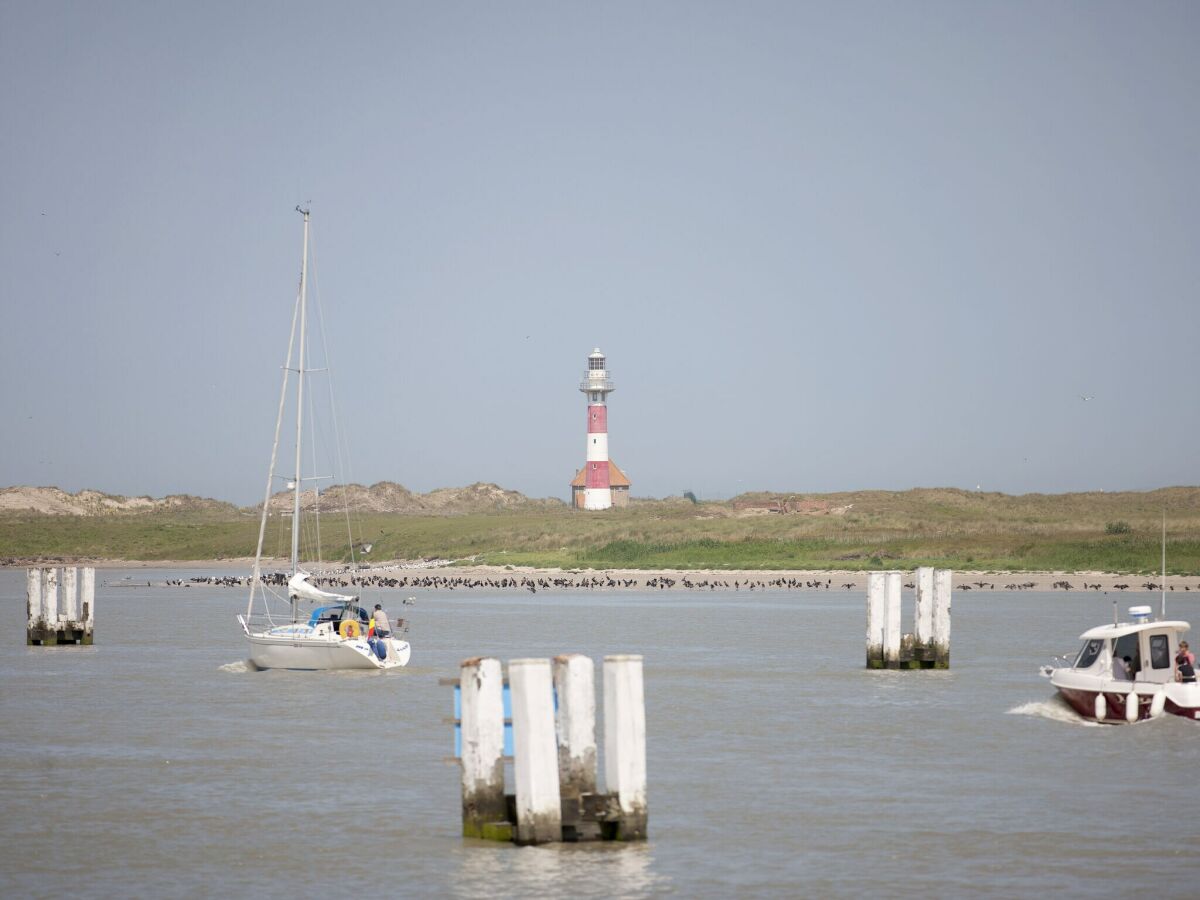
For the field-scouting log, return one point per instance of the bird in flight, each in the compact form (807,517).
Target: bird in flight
(1085,398)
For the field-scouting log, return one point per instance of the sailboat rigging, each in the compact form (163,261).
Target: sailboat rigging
(336,634)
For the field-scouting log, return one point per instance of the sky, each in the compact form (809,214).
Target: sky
(825,247)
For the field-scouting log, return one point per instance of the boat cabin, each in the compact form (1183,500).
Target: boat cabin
(1150,648)
(339,613)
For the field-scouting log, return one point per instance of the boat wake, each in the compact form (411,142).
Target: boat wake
(242,665)
(1055,709)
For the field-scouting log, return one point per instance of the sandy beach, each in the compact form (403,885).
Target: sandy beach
(668,579)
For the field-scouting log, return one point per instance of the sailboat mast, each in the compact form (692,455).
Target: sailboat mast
(300,398)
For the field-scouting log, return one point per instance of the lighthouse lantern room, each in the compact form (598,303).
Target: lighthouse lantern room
(601,484)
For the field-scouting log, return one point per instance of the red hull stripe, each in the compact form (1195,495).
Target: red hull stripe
(597,474)
(1084,703)
(597,419)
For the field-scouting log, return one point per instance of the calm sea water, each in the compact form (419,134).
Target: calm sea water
(154,764)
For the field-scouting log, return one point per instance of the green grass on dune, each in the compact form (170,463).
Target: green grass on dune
(873,529)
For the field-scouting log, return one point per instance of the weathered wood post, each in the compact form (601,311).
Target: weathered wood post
(575,725)
(481,692)
(535,763)
(923,619)
(87,602)
(942,581)
(49,634)
(33,605)
(891,634)
(625,743)
(70,596)
(53,620)
(875,620)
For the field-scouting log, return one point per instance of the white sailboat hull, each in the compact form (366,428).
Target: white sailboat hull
(319,652)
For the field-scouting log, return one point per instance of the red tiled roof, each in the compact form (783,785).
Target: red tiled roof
(616,478)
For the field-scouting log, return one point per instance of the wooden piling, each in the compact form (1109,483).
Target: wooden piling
(56,617)
(875,620)
(33,604)
(535,763)
(923,616)
(50,600)
(575,727)
(87,602)
(481,689)
(70,595)
(942,582)
(625,744)
(891,631)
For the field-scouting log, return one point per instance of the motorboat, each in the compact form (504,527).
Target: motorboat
(1127,672)
(338,633)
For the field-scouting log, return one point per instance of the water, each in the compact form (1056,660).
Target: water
(155,764)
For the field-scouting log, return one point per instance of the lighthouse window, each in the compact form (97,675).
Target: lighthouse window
(595,363)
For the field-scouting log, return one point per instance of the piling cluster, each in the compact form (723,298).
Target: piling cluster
(550,727)
(60,605)
(928,646)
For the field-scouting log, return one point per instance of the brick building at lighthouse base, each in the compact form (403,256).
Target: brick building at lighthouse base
(618,483)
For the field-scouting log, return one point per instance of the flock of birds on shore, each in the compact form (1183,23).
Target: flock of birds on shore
(592,582)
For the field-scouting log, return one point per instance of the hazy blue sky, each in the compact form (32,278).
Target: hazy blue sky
(825,246)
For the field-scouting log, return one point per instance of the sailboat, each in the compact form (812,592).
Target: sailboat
(337,633)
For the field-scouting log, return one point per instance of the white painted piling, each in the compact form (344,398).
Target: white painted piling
(535,763)
(50,596)
(575,722)
(575,727)
(33,598)
(625,743)
(875,619)
(87,598)
(891,633)
(923,616)
(69,608)
(481,699)
(942,583)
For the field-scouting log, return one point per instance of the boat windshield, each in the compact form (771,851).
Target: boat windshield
(337,614)
(1088,654)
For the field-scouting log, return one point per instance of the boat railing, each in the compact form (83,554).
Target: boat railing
(1066,661)
(260,622)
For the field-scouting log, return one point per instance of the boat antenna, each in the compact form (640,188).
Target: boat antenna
(1162,608)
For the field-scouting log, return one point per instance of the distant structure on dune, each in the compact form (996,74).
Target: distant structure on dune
(599,484)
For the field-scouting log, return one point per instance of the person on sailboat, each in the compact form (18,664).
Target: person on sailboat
(383,625)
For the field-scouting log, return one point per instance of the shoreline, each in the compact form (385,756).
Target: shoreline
(707,579)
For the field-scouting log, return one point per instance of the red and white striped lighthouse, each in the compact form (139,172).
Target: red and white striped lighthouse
(596,385)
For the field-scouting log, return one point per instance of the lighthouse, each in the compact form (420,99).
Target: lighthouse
(601,484)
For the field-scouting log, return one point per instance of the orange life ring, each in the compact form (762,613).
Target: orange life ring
(350,629)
